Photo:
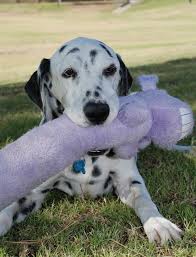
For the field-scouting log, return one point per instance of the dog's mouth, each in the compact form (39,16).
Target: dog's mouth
(97,152)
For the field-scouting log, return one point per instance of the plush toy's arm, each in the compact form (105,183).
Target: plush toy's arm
(48,149)
(172,119)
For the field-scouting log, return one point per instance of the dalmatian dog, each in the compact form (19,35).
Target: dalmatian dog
(84,79)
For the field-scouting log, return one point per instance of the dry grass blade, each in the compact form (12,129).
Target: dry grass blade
(40,241)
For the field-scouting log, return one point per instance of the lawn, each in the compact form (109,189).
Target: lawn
(152,38)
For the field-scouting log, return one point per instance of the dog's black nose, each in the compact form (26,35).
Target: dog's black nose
(96,113)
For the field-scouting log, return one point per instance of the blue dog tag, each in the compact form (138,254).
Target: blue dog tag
(79,166)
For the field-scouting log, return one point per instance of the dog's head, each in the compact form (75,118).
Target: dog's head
(82,79)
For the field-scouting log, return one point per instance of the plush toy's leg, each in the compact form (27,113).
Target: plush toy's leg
(187,121)
(132,191)
(187,124)
(18,211)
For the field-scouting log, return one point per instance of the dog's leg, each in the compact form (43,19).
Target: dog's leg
(132,191)
(18,211)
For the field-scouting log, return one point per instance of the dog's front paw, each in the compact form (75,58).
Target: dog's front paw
(161,230)
(5,223)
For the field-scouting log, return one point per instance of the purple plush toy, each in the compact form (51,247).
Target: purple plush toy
(144,117)
(172,119)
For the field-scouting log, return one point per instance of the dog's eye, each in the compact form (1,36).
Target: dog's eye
(68,73)
(109,71)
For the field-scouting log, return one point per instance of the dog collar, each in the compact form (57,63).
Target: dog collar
(97,152)
(79,166)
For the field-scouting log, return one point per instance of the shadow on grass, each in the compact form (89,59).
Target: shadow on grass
(17,113)
(169,177)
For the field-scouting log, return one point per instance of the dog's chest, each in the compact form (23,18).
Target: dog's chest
(95,181)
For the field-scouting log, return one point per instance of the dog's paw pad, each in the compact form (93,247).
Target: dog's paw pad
(161,230)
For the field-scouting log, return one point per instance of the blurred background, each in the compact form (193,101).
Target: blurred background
(152,36)
(143,32)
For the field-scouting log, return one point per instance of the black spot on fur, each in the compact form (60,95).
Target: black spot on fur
(60,108)
(135,182)
(21,200)
(73,50)
(68,184)
(62,48)
(93,54)
(94,159)
(49,93)
(28,209)
(86,66)
(114,191)
(44,109)
(15,216)
(111,153)
(98,88)
(96,172)
(54,115)
(92,182)
(44,121)
(112,172)
(88,93)
(107,182)
(45,191)
(50,85)
(106,50)
(56,183)
(46,87)
(96,94)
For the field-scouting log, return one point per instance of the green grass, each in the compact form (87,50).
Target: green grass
(152,38)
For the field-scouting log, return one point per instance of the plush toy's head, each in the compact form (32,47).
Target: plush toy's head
(83,79)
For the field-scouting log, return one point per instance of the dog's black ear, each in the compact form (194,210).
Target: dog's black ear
(33,86)
(126,79)
(44,68)
(32,89)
